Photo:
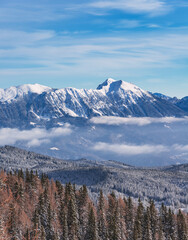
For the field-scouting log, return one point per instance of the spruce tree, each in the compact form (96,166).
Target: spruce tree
(153,219)
(129,217)
(138,224)
(72,220)
(113,218)
(82,201)
(12,229)
(147,231)
(182,227)
(91,230)
(171,225)
(101,218)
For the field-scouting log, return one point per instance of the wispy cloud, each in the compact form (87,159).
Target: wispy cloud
(135,6)
(126,149)
(22,11)
(182,148)
(48,51)
(135,121)
(13,38)
(33,137)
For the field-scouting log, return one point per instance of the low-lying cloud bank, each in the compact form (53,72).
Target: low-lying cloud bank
(135,121)
(126,149)
(130,149)
(33,137)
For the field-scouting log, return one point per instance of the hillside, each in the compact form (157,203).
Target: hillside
(36,208)
(168,185)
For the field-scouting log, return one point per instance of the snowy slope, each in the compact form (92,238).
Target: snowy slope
(13,93)
(40,104)
(181,103)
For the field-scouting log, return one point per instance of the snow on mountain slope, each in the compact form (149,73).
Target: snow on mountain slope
(12,93)
(183,104)
(173,100)
(40,104)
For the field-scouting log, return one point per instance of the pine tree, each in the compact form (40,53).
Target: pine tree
(101,218)
(72,220)
(160,234)
(138,224)
(129,217)
(83,206)
(91,230)
(113,218)
(153,219)
(13,231)
(49,228)
(65,227)
(147,231)
(170,225)
(182,227)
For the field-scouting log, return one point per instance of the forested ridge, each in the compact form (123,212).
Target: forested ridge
(33,207)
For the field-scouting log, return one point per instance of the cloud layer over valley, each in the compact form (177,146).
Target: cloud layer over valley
(135,141)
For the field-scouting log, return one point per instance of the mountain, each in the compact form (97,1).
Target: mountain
(183,104)
(173,100)
(180,103)
(159,184)
(34,105)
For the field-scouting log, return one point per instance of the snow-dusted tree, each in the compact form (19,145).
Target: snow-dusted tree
(147,231)
(91,227)
(182,227)
(153,219)
(101,218)
(83,206)
(139,220)
(72,220)
(129,217)
(113,218)
(171,225)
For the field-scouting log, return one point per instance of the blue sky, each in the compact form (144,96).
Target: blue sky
(81,43)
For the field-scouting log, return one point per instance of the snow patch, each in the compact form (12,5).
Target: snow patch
(54,149)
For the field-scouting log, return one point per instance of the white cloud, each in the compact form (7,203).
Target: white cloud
(135,121)
(126,149)
(13,38)
(181,148)
(37,142)
(133,6)
(33,137)
(59,54)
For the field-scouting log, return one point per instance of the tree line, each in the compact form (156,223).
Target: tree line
(33,207)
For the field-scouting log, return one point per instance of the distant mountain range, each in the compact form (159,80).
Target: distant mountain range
(36,105)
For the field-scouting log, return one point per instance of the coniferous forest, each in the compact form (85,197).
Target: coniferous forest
(33,207)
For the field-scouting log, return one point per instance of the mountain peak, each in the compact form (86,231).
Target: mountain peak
(111,85)
(33,88)
(106,83)
(9,94)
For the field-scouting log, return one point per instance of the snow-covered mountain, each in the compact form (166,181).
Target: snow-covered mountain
(36,104)
(181,103)
(173,100)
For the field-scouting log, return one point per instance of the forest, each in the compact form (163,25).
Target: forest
(35,207)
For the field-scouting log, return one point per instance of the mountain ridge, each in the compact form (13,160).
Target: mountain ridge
(43,105)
